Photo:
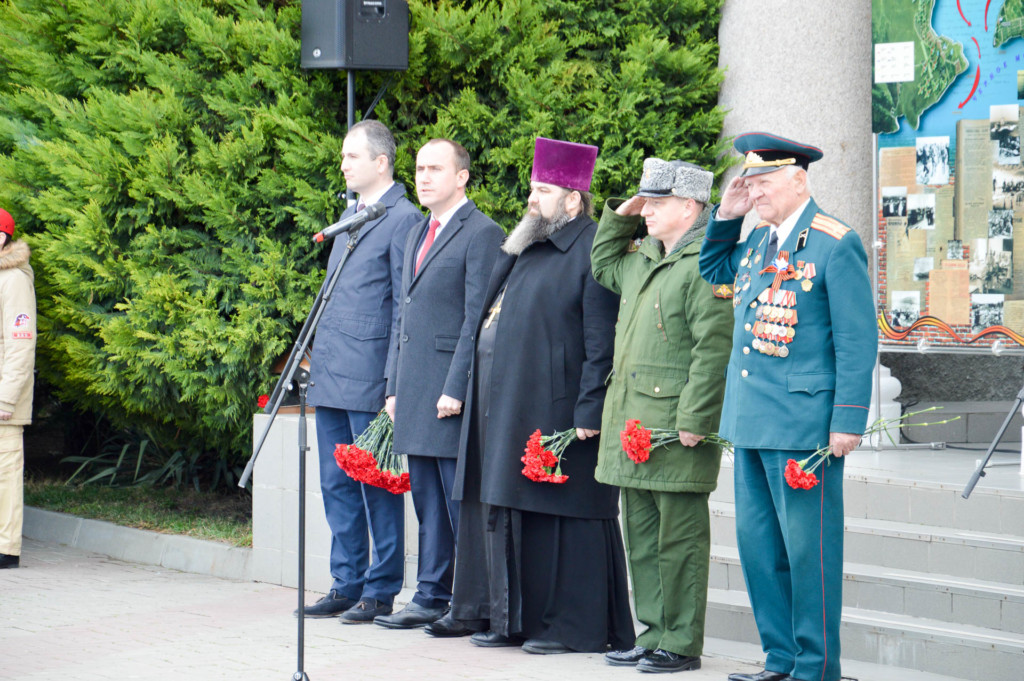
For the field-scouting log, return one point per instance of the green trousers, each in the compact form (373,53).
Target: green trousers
(668,541)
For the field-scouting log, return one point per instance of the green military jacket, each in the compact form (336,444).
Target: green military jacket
(672,344)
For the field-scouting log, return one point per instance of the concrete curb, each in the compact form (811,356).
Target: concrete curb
(171,551)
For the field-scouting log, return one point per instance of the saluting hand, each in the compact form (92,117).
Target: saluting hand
(632,206)
(736,200)
(448,406)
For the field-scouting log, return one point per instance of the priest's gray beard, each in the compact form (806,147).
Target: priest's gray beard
(534,228)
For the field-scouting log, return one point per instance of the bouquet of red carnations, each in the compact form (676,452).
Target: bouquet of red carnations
(800,474)
(542,461)
(371,459)
(638,441)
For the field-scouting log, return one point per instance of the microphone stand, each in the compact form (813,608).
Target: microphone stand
(980,470)
(294,375)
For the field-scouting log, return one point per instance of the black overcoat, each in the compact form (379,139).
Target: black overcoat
(435,344)
(552,354)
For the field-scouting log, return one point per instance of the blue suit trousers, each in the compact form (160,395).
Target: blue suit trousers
(358,514)
(791,552)
(431,479)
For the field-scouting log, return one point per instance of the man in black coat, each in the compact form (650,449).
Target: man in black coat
(448,258)
(552,556)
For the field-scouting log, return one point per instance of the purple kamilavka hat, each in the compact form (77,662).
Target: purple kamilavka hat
(565,164)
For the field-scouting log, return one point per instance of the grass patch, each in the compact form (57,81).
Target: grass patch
(203,515)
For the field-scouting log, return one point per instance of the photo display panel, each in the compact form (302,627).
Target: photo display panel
(947,107)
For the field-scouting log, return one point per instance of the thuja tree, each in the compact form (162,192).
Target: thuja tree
(636,79)
(168,160)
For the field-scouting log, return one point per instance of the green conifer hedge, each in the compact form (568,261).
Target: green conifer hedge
(168,161)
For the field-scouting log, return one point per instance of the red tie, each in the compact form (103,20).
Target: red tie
(434,224)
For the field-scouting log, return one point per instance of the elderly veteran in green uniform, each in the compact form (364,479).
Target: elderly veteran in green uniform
(671,347)
(799,378)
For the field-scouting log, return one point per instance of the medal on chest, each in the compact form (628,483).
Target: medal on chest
(776,317)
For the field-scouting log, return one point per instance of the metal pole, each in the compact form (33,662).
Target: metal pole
(350,195)
(875,245)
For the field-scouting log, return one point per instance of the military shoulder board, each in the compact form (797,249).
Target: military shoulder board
(829,225)
(763,223)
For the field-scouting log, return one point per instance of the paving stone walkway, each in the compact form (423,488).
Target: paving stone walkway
(70,615)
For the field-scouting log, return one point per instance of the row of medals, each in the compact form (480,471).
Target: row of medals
(776,319)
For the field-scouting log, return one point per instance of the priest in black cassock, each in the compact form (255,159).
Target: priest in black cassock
(544,565)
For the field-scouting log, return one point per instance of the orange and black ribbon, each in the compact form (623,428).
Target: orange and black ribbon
(934,322)
(780,275)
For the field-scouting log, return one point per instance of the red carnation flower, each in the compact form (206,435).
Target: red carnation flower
(262,400)
(544,465)
(371,459)
(797,477)
(636,441)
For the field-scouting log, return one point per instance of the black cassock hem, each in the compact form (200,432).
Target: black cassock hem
(561,579)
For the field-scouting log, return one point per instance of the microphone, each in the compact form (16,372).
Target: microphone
(371,212)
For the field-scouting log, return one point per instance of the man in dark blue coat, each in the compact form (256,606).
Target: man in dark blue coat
(448,258)
(348,370)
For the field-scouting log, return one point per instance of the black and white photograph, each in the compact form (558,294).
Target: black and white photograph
(894,202)
(906,308)
(1000,223)
(1007,150)
(998,274)
(1003,120)
(976,265)
(954,249)
(933,160)
(922,267)
(921,211)
(986,311)
(1007,187)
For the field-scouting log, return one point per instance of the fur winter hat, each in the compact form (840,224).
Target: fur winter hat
(676,178)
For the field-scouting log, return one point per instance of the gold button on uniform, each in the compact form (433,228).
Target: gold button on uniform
(753,304)
(657,389)
(744,373)
(746,351)
(747,326)
(659,326)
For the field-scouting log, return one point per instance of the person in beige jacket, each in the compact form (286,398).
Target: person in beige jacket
(17,360)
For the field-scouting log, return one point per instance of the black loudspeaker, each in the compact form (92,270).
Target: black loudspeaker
(367,35)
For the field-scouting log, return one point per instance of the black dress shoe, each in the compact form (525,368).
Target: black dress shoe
(760,676)
(8,561)
(492,639)
(411,616)
(447,627)
(331,605)
(667,661)
(365,611)
(626,658)
(540,647)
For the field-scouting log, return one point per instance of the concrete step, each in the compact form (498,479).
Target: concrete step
(957,650)
(853,670)
(913,500)
(944,598)
(907,546)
